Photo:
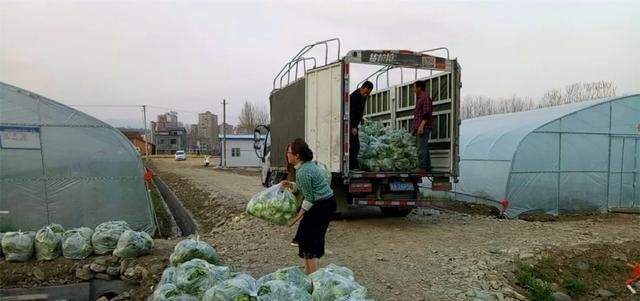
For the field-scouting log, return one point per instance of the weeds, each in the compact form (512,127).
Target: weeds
(575,287)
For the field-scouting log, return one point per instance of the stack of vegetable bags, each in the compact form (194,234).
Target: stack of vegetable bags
(275,204)
(386,149)
(196,274)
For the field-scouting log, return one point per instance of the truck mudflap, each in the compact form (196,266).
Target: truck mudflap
(410,203)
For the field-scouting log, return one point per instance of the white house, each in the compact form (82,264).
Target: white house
(240,152)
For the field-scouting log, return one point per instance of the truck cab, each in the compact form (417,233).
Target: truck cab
(315,106)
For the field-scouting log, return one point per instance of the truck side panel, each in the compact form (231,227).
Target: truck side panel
(323,114)
(287,120)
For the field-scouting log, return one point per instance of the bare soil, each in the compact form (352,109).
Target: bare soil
(429,255)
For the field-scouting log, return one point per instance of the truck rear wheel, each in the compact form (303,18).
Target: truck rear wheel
(395,211)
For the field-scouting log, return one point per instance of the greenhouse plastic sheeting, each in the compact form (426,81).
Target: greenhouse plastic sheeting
(59,165)
(580,157)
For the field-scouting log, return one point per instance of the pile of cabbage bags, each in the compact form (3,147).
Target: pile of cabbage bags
(275,204)
(52,241)
(386,149)
(196,274)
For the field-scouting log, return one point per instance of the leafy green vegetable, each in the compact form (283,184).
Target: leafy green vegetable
(168,276)
(105,238)
(192,248)
(386,149)
(76,243)
(274,205)
(169,292)
(241,287)
(18,246)
(329,284)
(278,290)
(196,276)
(48,242)
(133,244)
(293,275)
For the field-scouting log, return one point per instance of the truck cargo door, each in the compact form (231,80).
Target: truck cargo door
(323,102)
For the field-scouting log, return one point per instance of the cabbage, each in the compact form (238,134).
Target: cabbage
(48,242)
(293,275)
(169,292)
(196,276)
(335,282)
(274,204)
(76,243)
(133,244)
(105,238)
(278,290)
(168,276)
(386,149)
(18,246)
(192,248)
(241,287)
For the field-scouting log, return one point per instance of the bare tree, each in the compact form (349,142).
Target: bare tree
(476,106)
(251,116)
(578,92)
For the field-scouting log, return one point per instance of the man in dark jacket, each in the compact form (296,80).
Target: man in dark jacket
(357,102)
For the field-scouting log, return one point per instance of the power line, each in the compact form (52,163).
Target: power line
(149,106)
(105,105)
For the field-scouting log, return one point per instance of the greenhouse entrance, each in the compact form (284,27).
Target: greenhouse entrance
(624,172)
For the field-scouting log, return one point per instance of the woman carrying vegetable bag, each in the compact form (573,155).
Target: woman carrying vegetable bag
(317,208)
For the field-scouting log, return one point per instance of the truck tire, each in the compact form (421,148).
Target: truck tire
(395,211)
(276,178)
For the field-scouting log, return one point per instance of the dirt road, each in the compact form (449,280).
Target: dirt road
(426,256)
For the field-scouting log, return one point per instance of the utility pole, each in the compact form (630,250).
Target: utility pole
(144,114)
(224,132)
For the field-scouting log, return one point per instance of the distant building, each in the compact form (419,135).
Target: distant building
(138,142)
(192,139)
(240,152)
(168,135)
(168,120)
(208,132)
(226,128)
(170,140)
(203,137)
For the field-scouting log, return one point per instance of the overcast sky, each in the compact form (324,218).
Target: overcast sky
(189,55)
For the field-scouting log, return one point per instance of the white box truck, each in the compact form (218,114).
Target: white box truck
(315,107)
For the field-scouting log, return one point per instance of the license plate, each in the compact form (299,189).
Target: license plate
(401,186)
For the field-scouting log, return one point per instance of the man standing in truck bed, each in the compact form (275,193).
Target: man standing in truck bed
(357,101)
(422,124)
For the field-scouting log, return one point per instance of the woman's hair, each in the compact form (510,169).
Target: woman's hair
(299,147)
